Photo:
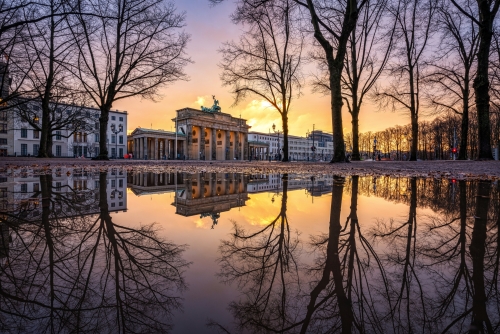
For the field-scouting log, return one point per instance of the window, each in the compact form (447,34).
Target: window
(36,147)
(120,140)
(3,115)
(58,150)
(121,119)
(113,183)
(96,139)
(3,128)
(96,125)
(113,152)
(113,139)
(3,141)
(112,205)
(87,114)
(24,149)
(24,188)
(120,152)
(24,133)
(58,186)
(113,118)
(58,135)
(36,134)
(120,183)
(3,192)
(36,187)
(96,184)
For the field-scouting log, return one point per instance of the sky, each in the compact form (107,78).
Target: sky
(209,27)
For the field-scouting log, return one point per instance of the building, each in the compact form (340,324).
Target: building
(263,146)
(21,139)
(77,133)
(5,141)
(206,134)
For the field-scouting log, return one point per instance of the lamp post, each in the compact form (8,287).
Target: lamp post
(115,132)
(374,147)
(279,148)
(313,148)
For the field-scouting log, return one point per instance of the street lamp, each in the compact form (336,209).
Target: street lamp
(374,147)
(313,148)
(115,132)
(279,147)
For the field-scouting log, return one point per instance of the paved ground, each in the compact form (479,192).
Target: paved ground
(439,169)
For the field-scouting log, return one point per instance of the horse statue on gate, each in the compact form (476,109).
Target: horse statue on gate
(215,107)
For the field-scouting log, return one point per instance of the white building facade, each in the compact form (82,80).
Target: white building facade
(23,140)
(266,145)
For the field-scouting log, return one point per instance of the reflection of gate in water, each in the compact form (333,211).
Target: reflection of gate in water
(220,153)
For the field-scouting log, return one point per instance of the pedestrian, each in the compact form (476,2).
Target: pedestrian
(379,157)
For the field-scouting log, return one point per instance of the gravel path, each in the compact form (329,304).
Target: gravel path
(436,169)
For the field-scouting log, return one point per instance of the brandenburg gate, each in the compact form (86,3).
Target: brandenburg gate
(206,134)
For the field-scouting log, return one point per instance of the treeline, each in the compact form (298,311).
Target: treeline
(60,53)
(438,139)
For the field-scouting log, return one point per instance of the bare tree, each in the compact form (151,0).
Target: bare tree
(450,78)
(127,48)
(484,17)
(414,21)
(49,84)
(333,25)
(369,47)
(267,60)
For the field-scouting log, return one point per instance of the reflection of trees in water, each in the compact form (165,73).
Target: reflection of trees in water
(463,252)
(336,295)
(430,273)
(439,195)
(348,274)
(87,274)
(263,264)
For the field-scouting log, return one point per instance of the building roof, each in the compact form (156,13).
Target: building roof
(160,131)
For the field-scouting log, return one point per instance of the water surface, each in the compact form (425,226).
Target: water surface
(193,253)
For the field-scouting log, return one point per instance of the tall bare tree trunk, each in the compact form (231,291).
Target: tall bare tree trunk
(47,94)
(103,133)
(464,133)
(482,84)
(284,118)
(355,134)
(336,105)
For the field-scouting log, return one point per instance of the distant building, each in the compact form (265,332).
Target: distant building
(263,146)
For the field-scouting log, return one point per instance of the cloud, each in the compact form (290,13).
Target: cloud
(260,115)
(200,100)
